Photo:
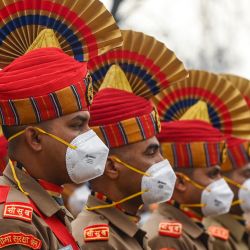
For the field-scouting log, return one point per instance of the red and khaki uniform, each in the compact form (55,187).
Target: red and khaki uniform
(237,158)
(238,236)
(170,228)
(122,114)
(42,85)
(190,139)
(24,219)
(107,228)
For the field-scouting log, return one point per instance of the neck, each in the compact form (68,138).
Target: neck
(192,213)
(239,218)
(130,207)
(53,190)
(236,210)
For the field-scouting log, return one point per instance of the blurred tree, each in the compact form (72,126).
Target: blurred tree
(114,9)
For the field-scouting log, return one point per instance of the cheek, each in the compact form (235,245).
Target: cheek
(194,194)
(55,150)
(65,132)
(240,179)
(131,181)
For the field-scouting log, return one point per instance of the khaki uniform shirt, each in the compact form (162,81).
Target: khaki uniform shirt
(192,237)
(238,237)
(16,233)
(123,233)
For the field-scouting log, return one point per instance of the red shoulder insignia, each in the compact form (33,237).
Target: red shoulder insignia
(219,232)
(96,232)
(4,190)
(172,229)
(18,210)
(13,238)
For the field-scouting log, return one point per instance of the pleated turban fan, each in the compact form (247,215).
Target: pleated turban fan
(197,116)
(237,149)
(124,79)
(44,46)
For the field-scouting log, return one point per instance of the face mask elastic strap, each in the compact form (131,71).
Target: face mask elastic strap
(128,166)
(197,185)
(182,206)
(46,133)
(238,217)
(56,138)
(117,202)
(15,135)
(16,178)
(237,202)
(232,182)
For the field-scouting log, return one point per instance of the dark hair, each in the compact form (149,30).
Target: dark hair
(9,131)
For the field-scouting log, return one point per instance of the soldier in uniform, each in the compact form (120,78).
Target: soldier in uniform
(236,171)
(45,96)
(135,171)
(195,148)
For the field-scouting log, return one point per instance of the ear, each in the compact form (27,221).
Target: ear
(33,138)
(111,169)
(181,183)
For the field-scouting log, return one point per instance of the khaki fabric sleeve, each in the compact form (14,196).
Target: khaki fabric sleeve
(161,242)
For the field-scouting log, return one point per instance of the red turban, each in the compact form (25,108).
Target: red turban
(192,143)
(120,117)
(41,85)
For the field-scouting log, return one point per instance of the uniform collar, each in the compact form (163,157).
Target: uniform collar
(189,226)
(228,221)
(44,202)
(114,216)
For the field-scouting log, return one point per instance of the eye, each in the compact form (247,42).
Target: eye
(246,173)
(214,173)
(77,125)
(152,150)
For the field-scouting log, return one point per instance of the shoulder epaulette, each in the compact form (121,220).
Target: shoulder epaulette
(219,232)
(172,229)
(97,232)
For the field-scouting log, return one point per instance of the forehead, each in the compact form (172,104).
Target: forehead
(143,144)
(204,171)
(80,115)
(136,147)
(242,169)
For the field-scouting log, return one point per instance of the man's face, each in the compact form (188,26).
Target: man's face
(140,155)
(187,192)
(239,175)
(67,128)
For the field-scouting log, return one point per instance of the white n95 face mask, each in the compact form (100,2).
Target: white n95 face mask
(86,155)
(88,159)
(159,183)
(244,196)
(216,198)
